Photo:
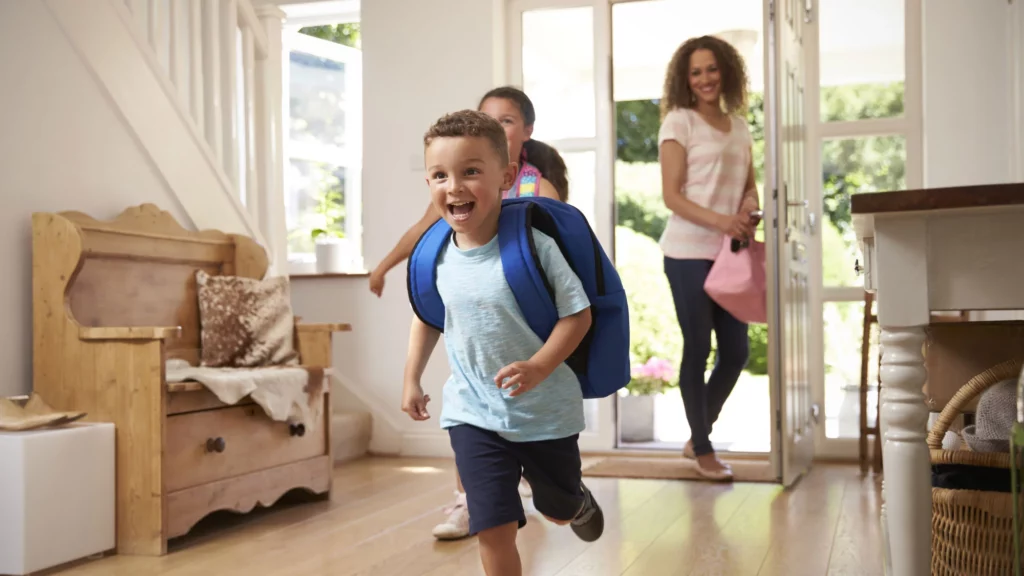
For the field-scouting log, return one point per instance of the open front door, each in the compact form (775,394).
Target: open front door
(789,224)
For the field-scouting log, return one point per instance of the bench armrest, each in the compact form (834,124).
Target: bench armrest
(323,327)
(95,333)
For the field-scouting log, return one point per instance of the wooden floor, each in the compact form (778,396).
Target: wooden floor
(379,519)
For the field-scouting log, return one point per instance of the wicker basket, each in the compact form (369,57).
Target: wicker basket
(972,531)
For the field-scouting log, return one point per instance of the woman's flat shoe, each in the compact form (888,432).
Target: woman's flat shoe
(723,475)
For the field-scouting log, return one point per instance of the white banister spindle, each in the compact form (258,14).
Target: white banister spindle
(211,73)
(252,188)
(138,10)
(174,43)
(178,47)
(195,64)
(229,86)
(269,138)
(153,24)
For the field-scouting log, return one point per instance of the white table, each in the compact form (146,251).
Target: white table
(56,496)
(923,251)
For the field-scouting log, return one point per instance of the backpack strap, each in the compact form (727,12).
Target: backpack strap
(523,270)
(422,275)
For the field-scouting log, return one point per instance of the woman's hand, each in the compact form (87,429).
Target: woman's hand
(736,225)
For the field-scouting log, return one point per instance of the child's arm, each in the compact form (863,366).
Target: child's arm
(422,340)
(402,250)
(564,339)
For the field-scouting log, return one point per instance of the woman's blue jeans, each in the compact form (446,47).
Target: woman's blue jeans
(698,315)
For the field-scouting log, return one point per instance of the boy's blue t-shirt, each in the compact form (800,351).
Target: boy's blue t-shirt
(484,331)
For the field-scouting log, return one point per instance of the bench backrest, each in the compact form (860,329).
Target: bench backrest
(136,270)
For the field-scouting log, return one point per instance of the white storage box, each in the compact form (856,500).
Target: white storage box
(57,499)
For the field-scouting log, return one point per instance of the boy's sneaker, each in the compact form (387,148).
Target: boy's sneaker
(589,523)
(457,524)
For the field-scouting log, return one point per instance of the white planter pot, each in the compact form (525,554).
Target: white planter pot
(333,256)
(636,418)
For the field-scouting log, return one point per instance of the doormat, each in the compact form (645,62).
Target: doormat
(672,469)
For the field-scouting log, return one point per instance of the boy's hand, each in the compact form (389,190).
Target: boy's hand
(523,376)
(414,402)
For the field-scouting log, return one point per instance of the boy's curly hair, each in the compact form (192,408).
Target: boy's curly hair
(677,93)
(469,123)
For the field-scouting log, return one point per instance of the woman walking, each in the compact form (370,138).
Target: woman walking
(708,183)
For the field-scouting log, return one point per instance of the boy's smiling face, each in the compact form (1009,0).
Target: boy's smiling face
(466,176)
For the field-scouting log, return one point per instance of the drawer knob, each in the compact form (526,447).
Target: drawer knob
(297,429)
(215,444)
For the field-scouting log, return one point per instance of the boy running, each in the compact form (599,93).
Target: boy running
(511,406)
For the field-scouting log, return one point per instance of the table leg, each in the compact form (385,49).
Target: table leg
(907,490)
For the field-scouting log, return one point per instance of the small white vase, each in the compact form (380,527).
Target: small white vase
(333,255)
(636,418)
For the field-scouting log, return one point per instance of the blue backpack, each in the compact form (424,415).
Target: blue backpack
(601,362)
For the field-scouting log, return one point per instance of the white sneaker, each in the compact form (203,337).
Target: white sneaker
(457,524)
(524,488)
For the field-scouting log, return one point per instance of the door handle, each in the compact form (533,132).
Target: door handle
(797,203)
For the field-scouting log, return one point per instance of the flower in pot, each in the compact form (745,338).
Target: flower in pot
(652,377)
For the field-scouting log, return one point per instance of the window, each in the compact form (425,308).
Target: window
(867,139)
(323,148)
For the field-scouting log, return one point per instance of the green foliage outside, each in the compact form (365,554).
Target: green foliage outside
(346,34)
(328,216)
(848,167)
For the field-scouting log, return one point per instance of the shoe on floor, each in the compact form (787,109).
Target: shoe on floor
(524,488)
(589,523)
(457,524)
(723,475)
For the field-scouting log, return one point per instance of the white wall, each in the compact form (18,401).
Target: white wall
(420,60)
(970,106)
(973,72)
(62,147)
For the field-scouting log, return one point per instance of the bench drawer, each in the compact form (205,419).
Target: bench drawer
(213,445)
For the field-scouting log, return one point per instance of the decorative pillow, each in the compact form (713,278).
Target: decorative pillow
(245,323)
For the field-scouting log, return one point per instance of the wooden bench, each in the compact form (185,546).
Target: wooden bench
(112,302)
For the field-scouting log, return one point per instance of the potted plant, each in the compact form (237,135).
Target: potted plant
(332,249)
(636,407)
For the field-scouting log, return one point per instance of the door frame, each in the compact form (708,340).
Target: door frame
(601,412)
(508,70)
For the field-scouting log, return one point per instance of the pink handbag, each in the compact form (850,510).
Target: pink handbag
(737,280)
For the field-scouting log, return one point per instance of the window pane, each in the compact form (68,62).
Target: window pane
(317,88)
(854,166)
(558,71)
(582,167)
(861,59)
(843,336)
(314,199)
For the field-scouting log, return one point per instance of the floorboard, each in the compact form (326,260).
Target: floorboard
(378,523)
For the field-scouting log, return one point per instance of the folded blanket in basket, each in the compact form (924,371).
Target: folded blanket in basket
(292,394)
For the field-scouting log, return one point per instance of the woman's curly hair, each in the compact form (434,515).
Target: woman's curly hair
(677,93)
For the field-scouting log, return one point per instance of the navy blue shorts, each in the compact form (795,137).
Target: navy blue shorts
(490,467)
